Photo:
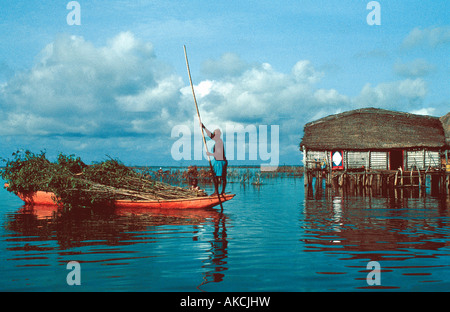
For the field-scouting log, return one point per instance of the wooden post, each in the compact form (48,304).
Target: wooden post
(351,183)
(341,180)
(434,182)
(328,170)
(420,178)
(446,182)
(405,160)
(446,160)
(424,158)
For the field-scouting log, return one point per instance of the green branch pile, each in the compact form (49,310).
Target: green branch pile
(76,184)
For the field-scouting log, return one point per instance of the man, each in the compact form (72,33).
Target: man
(219,162)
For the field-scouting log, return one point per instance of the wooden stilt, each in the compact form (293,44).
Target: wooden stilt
(447,184)
(420,178)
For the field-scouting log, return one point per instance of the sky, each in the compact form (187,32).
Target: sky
(108,78)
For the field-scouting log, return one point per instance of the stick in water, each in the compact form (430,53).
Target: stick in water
(200,121)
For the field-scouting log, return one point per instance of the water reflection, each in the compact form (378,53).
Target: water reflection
(402,225)
(102,236)
(216,263)
(284,238)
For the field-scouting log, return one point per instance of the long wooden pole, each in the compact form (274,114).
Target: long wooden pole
(201,128)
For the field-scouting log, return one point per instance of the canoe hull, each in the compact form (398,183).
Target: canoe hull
(190,203)
(47,199)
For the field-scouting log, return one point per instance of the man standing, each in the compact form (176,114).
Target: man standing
(219,162)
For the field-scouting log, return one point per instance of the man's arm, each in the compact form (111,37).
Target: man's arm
(207,131)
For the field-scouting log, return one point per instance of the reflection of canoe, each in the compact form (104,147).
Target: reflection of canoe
(160,216)
(47,198)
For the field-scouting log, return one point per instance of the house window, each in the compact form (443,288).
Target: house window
(357,159)
(378,160)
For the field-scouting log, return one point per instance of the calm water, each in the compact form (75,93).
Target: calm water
(269,238)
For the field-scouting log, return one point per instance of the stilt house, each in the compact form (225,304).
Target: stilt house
(373,138)
(445,120)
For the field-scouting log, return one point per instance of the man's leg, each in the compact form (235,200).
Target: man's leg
(216,185)
(224,183)
(224,177)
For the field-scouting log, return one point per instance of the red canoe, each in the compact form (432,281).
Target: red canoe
(46,198)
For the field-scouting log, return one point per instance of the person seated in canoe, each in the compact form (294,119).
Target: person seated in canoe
(192,177)
(219,162)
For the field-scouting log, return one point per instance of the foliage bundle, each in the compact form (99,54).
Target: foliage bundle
(76,184)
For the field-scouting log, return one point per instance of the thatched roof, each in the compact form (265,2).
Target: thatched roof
(445,120)
(374,129)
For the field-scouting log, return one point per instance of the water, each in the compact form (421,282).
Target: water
(269,238)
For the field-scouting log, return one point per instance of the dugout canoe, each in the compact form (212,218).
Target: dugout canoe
(47,199)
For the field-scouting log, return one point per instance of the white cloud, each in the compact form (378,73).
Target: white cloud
(229,64)
(261,95)
(431,37)
(331,97)
(79,89)
(412,89)
(424,111)
(150,99)
(304,72)
(416,68)
(401,95)
(120,95)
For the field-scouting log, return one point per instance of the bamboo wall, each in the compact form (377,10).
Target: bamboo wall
(412,159)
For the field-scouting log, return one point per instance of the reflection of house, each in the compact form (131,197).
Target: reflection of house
(376,139)
(445,120)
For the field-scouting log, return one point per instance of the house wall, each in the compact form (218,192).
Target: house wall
(421,159)
(368,159)
(313,159)
(379,160)
(356,159)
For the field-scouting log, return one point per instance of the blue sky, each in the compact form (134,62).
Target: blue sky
(117,84)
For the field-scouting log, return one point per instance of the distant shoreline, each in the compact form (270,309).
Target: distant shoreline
(206,166)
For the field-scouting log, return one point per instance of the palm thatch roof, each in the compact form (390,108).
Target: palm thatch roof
(445,120)
(374,129)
